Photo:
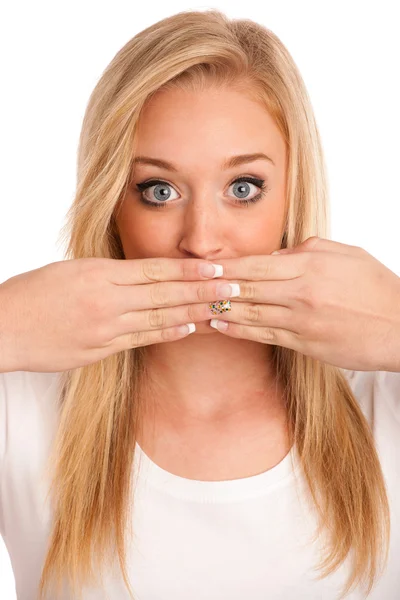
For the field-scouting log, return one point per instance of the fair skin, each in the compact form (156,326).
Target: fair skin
(218,410)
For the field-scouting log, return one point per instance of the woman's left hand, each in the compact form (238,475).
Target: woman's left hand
(331,301)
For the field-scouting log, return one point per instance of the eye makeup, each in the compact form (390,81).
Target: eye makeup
(260,183)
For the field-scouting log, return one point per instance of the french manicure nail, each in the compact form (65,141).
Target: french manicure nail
(187,328)
(211,270)
(228,290)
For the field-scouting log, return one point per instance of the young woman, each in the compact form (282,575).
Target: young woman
(221,464)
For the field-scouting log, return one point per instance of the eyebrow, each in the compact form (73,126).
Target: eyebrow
(231,162)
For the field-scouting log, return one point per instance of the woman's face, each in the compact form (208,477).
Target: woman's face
(197,211)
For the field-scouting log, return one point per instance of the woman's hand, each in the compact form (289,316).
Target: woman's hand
(331,301)
(73,313)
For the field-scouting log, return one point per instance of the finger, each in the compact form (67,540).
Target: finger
(265,267)
(160,318)
(288,264)
(146,338)
(260,315)
(165,294)
(267,335)
(149,270)
(279,293)
(316,244)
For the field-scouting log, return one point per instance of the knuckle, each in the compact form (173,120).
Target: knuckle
(87,263)
(89,273)
(94,267)
(307,295)
(252,313)
(157,318)
(314,329)
(266,335)
(261,270)
(95,294)
(304,327)
(295,320)
(247,290)
(103,335)
(192,313)
(202,292)
(151,270)
(94,308)
(159,294)
(317,263)
(137,338)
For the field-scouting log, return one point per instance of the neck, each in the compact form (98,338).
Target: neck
(205,379)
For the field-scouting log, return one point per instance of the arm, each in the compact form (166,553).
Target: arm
(7,339)
(393,341)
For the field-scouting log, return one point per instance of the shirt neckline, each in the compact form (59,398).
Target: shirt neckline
(215,491)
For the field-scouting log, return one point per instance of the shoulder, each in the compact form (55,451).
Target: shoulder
(378,393)
(19,388)
(25,382)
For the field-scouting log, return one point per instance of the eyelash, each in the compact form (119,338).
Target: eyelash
(255,181)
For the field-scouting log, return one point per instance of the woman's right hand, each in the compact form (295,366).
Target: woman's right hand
(72,313)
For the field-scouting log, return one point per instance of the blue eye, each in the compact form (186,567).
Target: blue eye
(164,195)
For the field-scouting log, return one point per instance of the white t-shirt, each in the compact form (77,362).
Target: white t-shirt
(244,539)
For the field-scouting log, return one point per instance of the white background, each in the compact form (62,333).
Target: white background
(52,55)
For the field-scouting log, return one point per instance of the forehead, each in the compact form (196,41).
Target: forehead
(215,122)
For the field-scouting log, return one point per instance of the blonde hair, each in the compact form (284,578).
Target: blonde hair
(100,404)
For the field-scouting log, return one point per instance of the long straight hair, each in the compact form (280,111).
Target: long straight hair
(100,405)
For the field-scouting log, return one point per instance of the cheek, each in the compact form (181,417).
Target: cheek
(261,234)
(137,230)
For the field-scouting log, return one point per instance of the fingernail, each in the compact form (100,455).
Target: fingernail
(228,290)
(218,324)
(211,270)
(276,252)
(186,329)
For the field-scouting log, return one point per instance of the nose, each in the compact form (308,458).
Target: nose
(203,230)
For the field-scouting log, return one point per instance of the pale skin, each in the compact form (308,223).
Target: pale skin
(218,412)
